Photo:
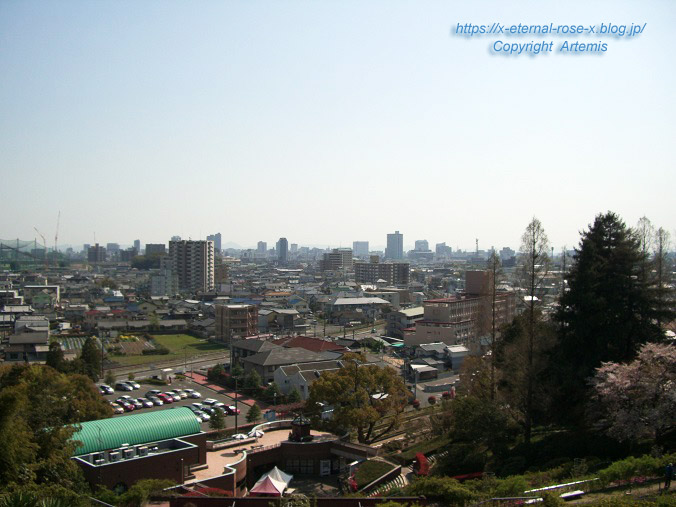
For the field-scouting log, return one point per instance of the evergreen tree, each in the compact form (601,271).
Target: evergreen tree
(254,414)
(294,396)
(91,358)
(217,421)
(55,356)
(608,312)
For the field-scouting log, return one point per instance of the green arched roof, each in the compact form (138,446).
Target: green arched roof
(135,429)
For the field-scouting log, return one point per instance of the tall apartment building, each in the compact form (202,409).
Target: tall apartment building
(262,247)
(155,249)
(96,253)
(395,246)
(193,263)
(216,238)
(394,273)
(465,319)
(338,259)
(282,250)
(137,246)
(360,249)
(236,321)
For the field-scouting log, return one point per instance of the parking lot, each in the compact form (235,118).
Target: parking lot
(187,384)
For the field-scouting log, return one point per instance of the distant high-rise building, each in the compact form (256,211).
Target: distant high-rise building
(113,247)
(176,238)
(96,253)
(137,246)
(193,263)
(86,248)
(360,249)
(421,245)
(282,250)
(155,249)
(294,248)
(262,247)
(395,246)
(338,259)
(442,250)
(216,238)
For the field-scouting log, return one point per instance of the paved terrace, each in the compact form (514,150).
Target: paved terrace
(217,460)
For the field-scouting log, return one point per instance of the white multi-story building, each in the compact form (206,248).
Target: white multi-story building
(193,263)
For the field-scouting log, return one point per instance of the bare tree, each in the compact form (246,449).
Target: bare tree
(533,270)
(662,271)
(495,270)
(645,233)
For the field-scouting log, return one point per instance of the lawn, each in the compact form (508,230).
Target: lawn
(180,346)
(370,470)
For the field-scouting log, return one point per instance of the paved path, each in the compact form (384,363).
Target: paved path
(202,380)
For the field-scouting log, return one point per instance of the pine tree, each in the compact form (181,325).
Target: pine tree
(609,310)
(91,358)
(254,414)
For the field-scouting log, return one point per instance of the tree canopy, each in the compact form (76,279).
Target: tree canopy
(609,310)
(38,405)
(361,395)
(635,400)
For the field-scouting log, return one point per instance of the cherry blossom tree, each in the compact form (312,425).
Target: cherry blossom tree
(636,400)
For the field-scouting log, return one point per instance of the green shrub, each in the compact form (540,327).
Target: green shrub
(441,489)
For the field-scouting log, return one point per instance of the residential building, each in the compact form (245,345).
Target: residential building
(392,273)
(302,376)
(193,262)
(96,253)
(339,259)
(395,246)
(397,322)
(216,238)
(29,347)
(262,247)
(266,362)
(137,245)
(236,321)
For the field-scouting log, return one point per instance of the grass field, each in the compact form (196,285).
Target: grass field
(370,470)
(179,345)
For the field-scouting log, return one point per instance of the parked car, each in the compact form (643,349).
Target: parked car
(105,389)
(192,393)
(152,392)
(156,401)
(146,402)
(128,407)
(180,393)
(204,416)
(174,396)
(117,409)
(123,386)
(166,398)
(209,410)
(210,401)
(231,410)
(134,385)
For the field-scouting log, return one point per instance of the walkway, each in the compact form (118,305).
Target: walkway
(202,380)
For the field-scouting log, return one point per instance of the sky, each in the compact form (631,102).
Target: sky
(328,121)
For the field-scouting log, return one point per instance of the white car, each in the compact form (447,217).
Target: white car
(210,401)
(183,395)
(134,385)
(192,393)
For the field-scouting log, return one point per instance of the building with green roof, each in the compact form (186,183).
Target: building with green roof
(135,429)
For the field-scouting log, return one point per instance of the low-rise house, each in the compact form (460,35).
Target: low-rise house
(30,347)
(266,362)
(301,376)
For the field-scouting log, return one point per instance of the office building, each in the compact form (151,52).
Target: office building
(421,245)
(262,247)
(216,238)
(137,246)
(193,263)
(395,246)
(282,250)
(360,249)
(393,273)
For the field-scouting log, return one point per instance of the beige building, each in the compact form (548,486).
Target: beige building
(236,321)
(465,319)
(193,263)
(340,259)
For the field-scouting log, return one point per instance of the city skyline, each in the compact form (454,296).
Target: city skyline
(147,121)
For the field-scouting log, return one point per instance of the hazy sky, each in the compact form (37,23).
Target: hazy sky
(329,121)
